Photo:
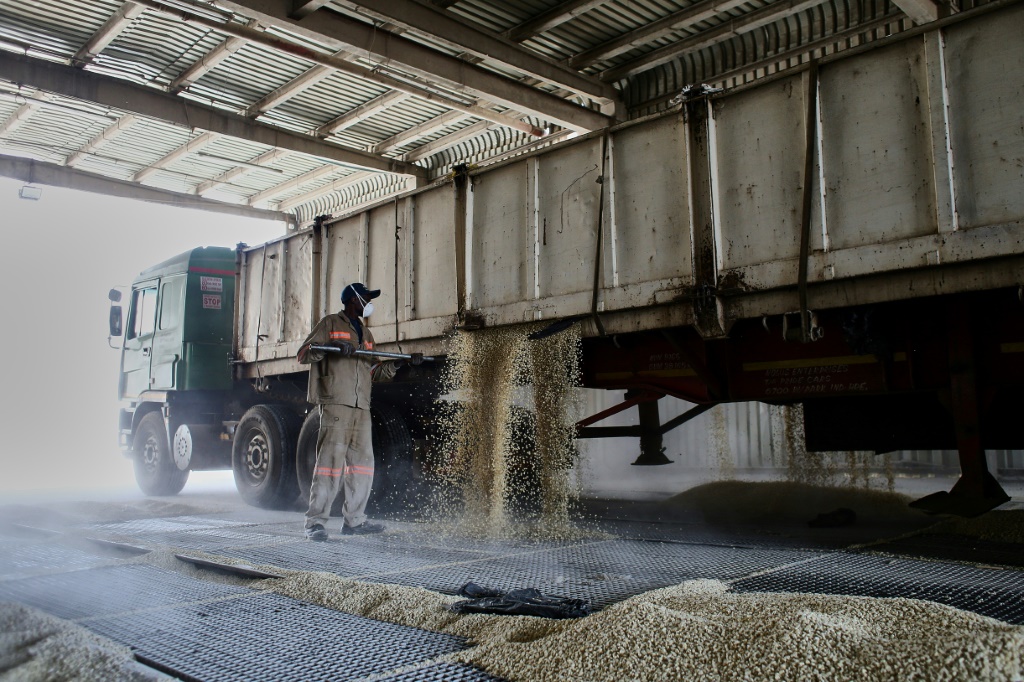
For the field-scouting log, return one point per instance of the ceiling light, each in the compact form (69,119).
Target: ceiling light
(30,192)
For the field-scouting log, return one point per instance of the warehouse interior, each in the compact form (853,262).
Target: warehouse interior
(721,550)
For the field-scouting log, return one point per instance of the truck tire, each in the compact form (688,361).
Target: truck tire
(155,471)
(263,456)
(398,480)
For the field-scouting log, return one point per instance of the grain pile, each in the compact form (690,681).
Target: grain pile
(741,502)
(35,647)
(1006,526)
(699,630)
(505,469)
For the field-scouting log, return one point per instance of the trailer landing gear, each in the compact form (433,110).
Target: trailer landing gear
(652,451)
(977,491)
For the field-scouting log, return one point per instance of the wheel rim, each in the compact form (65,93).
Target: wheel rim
(257,457)
(151,454)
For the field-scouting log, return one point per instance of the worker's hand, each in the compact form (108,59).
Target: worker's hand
(346,349)
(416,359)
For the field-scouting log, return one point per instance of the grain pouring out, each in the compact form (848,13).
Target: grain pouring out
(508,454)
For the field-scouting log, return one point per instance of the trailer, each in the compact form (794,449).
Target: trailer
(847,234)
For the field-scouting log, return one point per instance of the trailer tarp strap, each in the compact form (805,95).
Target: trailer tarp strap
(811,128)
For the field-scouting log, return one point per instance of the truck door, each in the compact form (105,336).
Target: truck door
(166,353)
(138,340)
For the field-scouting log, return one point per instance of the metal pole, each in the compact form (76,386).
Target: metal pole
(373,354)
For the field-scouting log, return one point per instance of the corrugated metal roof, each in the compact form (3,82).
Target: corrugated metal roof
(155,48)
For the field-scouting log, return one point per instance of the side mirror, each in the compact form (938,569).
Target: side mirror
(114,296)
(115,321)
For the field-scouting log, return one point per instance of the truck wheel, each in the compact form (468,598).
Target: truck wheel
(263,456)
(155,471)
(398,481)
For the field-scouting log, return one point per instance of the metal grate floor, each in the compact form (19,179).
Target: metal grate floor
(215,539)
(20,559)
(197,630)
(270,637)
(170,524)
(645,556)
(954,548)
(112,590)
(351,556)
(993,592)
(602,572)
(701,534)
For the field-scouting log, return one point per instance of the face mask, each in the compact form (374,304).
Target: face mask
(367,306)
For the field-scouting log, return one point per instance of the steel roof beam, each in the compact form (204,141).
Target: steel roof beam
(375,201)
(376,74)
(149,102)
(106,34)
(462,35)
(303,8)
(289,185)
(921,11)
(206,63)
(18,117)
(779,58)
(334,186)
(295,86)
(677,21)
(50,174)
(422,130)
(556,16)
(361,113)
(748,22)
(442,143)
(237,172)
(339,33)
(190,147)
(107,134)
(554,138)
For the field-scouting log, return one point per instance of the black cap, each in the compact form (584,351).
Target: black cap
(351,290)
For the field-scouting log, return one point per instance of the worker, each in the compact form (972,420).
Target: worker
(339,386)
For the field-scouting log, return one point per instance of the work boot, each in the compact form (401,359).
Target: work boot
(317,533)
(365,528)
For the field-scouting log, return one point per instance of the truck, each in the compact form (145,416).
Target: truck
(846,234)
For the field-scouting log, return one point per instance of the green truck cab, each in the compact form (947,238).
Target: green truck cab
(176,375)
(186,407)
